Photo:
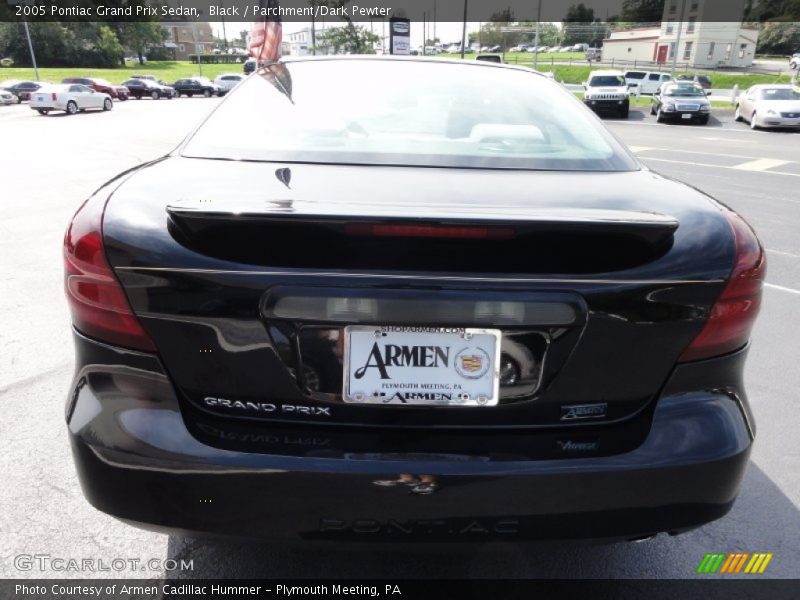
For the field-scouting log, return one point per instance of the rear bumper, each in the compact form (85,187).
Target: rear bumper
(143,458)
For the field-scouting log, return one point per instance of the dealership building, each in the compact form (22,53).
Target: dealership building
(703,41)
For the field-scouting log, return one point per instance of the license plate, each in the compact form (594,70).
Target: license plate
(686,116)
(421,366)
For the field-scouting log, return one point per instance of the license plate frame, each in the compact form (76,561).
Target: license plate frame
(469,377)
(686,116)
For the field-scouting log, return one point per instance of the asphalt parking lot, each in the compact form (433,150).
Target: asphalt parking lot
(49,165)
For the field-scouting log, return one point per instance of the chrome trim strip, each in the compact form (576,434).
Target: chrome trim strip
(416,277)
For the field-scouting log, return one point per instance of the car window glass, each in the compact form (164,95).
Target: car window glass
(407,114)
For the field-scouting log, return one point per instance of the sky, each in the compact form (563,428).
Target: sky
(448,32)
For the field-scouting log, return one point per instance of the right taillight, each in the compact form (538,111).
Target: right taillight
(96,299)
(733,314)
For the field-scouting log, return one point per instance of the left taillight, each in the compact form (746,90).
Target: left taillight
(96,299)
(54,96)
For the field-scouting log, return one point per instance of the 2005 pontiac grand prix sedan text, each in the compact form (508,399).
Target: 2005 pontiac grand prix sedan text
(415,300)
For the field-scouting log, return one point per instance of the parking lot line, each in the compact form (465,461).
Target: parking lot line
(782,288)
(761,164)
(698,164)
(783,253)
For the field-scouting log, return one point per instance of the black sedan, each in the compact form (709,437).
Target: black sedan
(443,303)
(24,89)
(145,88)
(682,101)
(197,86)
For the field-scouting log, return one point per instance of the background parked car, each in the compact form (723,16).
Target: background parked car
(681,101)
(794,61)
(227,81)
(7,97)
(607,92)
(646,82)
(141,88)
(70,98)
(24,89)
(197,86)
(769,106)
(100,85)
(703,81)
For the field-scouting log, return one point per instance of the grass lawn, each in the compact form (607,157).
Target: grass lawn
(167,71)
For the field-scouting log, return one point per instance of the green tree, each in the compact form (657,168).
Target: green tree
(581,27)
(350,38)
(642,11)
(60,44)
(776,37)
(139,35)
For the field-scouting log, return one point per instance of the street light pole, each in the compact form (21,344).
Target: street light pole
(536,40)
(30,48)
(464,30)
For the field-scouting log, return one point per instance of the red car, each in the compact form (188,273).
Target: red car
(118,92)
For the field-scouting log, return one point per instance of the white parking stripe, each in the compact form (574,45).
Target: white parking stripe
(698,164)
(783,253)
(761,164)
(782,289)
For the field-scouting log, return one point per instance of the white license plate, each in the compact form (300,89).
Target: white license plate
(686,116)
(421,365)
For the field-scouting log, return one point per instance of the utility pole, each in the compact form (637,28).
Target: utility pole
(30,48)
(424,41)
(434,21)
(678,38)
(224,35)
(197,48)
(536,40)
(464,30)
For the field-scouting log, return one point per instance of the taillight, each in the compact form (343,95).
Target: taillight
(96,299)
(54,96)
(733,314)
(430,231)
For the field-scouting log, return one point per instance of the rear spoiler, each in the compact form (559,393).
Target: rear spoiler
(195,218)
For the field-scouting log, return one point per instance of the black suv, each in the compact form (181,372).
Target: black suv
(197,85)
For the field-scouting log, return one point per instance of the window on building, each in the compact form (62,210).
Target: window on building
(670,26)
(742,50)
(672,50)
(728,50)
(182,48)
(711,47)
(690,25)
(694,6)
(687,50)
(673,7)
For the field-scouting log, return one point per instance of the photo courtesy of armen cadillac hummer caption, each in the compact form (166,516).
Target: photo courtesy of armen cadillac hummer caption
(442,304)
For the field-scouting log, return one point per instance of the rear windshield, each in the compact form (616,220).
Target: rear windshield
(392,112)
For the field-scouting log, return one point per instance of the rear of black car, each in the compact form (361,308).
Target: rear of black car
(265,353)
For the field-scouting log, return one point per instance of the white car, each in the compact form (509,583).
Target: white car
(794,61)
(70,98)
(7,98)
(227,81)
(769,106)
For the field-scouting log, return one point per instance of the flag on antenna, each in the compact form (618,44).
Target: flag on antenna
(265,38)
